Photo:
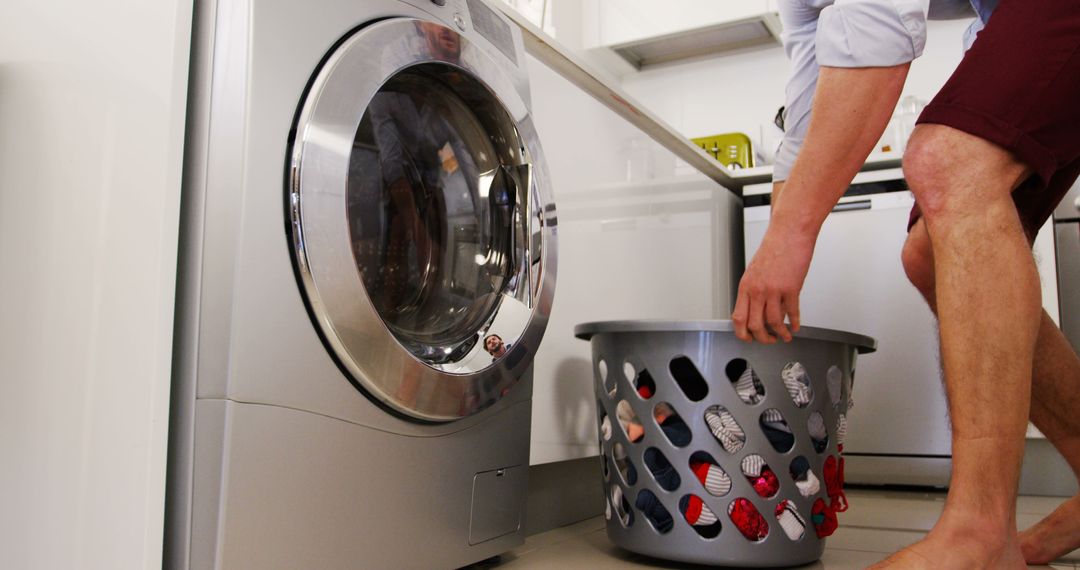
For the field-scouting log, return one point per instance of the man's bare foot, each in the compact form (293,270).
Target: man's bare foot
(1055,536)
(963,550)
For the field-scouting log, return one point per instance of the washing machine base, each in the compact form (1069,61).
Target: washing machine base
(276,487)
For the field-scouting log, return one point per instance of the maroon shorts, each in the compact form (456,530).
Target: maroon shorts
(1019,88)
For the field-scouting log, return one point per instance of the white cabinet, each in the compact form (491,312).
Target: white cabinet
(645,32)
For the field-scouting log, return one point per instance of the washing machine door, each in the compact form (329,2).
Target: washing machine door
(421,221)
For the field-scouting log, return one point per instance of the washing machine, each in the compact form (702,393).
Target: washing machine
(366,271)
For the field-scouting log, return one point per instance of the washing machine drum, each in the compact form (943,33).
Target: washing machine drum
(422,227)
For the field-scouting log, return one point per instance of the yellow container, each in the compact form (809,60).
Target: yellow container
(733,150)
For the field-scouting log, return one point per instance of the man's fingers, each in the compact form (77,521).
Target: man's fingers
(774,315)
(756,322)
(739,316)
(791,304)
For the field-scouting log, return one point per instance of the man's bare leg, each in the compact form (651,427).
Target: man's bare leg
(1055,395)
(987,294)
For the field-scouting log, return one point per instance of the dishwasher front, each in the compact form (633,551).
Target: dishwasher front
(898,429)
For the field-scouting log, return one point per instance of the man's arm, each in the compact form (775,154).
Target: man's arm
(851,108)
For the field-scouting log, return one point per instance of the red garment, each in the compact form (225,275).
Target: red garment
(824,519)
(700,469)
(645,392)
(748,520)
(765,484)
(834,483)
(693,509)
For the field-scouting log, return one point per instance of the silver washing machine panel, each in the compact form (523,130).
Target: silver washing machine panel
(423,240)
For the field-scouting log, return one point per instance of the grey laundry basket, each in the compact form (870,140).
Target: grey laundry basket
(689,365)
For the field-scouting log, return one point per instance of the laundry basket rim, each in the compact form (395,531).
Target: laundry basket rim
(585,331)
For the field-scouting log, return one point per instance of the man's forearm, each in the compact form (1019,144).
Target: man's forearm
(851,108)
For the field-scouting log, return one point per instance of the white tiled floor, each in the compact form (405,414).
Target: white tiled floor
(876,524)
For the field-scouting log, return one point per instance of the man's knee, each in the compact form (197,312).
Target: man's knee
(949,171)
(918,265)
(928,171)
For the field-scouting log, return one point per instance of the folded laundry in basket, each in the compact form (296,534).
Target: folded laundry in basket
(818,436)
(790,520)
(651,507)
(777,430)
(797,382)
(760,476)
(807,483)
(662,470)
(716,482)
(696,512)
(748,520)
(749,387)
(725,429)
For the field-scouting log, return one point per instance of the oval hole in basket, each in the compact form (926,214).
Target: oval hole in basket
(605,423)
(748,520)
(604,467)
(747,384)
(761,477)
(662,470)
(688,378)
(699,516)
(672,424)
(623,465)
(834,379)
(644,384)
(629,421)
(622,506)
(709,473)
(790,521)
(606,381)
(776,430)
(654,511)
(805,479)
(797,382)
(728,433)
(819,436)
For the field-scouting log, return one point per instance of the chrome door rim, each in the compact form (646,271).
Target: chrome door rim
(317,189)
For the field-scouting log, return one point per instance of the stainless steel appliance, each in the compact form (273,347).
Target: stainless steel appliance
(367,269)
(1067,237)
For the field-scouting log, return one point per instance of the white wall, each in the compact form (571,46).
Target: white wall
(92,99)
(634,242)
(741,91)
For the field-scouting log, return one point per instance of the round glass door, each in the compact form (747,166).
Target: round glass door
(422,227)
(434,210)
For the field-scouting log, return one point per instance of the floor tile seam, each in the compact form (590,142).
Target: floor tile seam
(882,528)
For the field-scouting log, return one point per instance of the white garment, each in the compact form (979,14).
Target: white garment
(752,465)
(797,382)
(725,429)
(717,482)
(791,521)
(810,486)
(749,387)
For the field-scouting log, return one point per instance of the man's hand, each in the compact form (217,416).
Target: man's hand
(769,290)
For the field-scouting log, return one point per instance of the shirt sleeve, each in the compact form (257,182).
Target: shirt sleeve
(800,20)
(871,33)
(840,33)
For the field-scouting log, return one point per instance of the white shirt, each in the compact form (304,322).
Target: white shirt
(854,33)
